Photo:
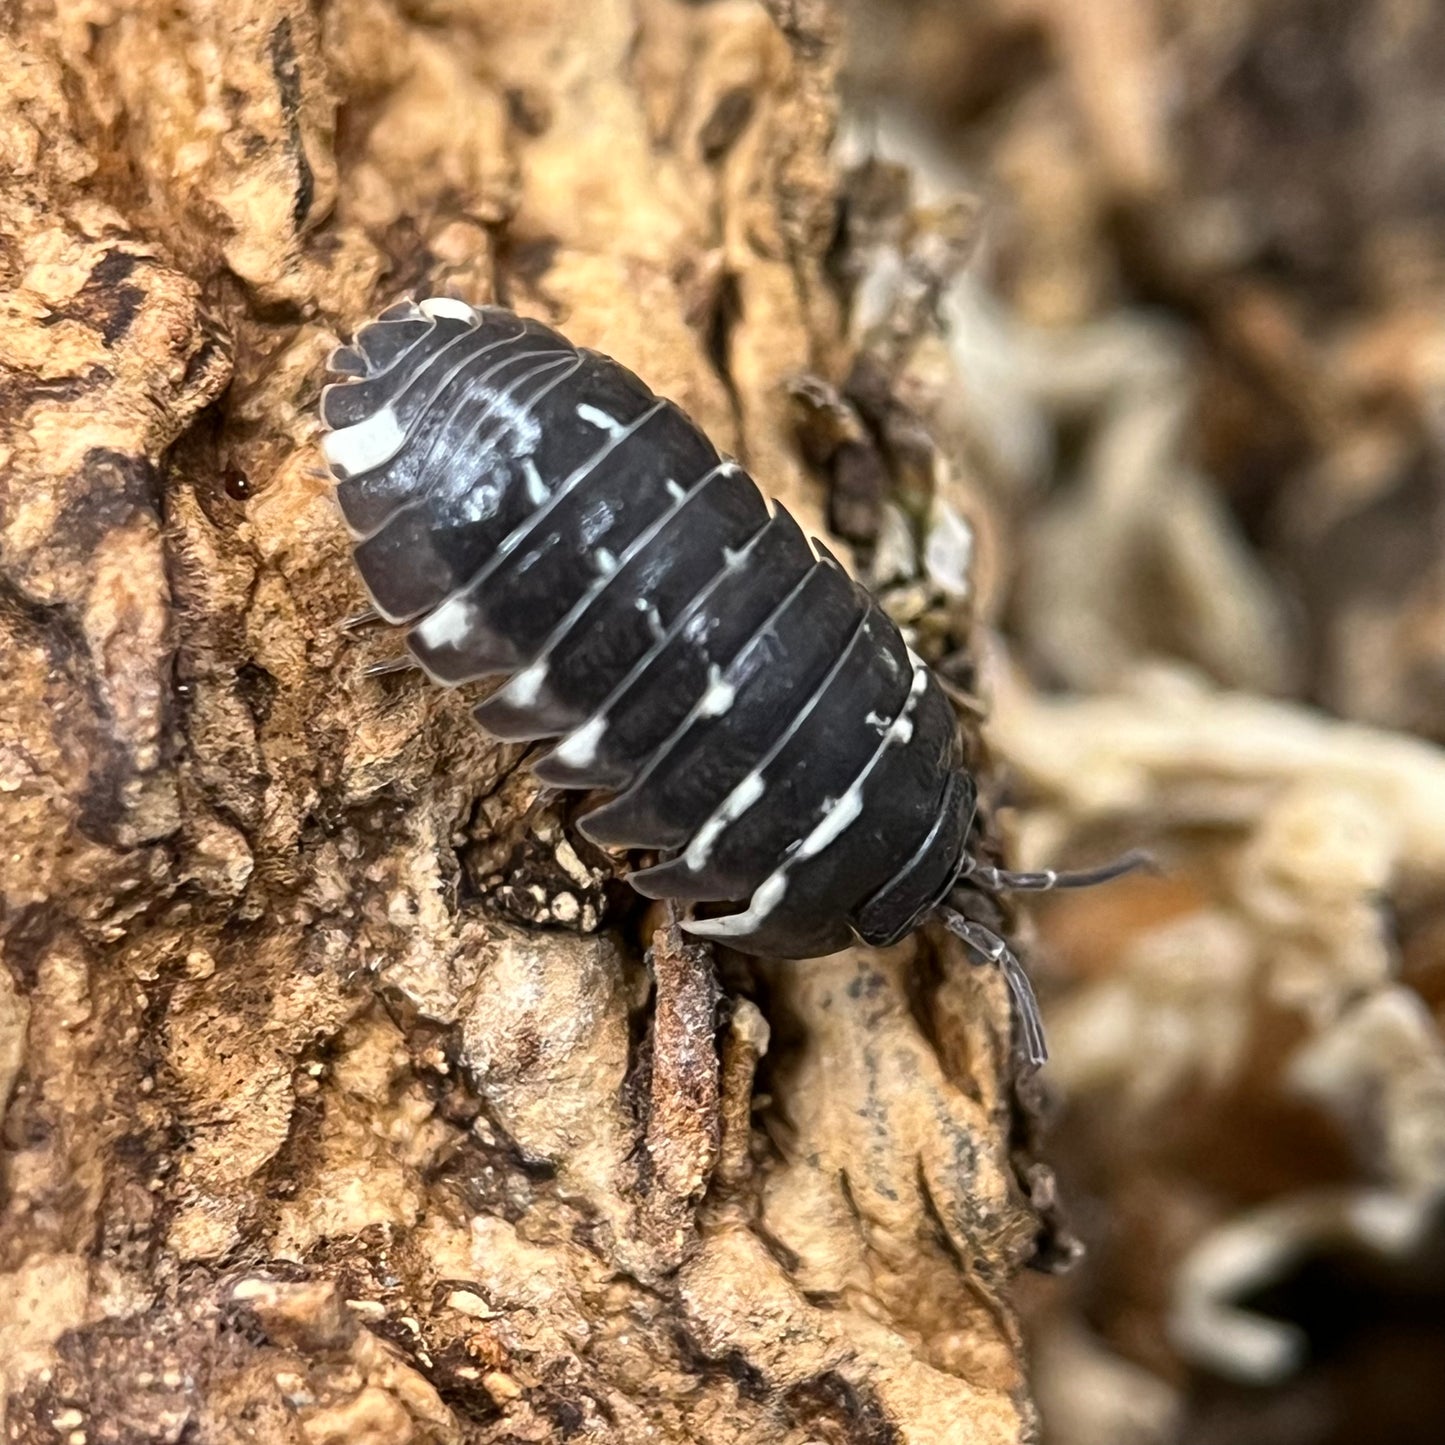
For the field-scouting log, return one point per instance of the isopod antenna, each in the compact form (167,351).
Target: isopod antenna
(994,950)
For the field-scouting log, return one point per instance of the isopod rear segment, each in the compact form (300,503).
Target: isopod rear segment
(528,509)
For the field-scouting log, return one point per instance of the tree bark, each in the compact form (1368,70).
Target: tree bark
(343,1099)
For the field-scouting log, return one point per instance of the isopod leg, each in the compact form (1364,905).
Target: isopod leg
(992,949)
(359,621)
(403,663)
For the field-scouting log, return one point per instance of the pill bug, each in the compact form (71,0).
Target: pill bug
(531,510)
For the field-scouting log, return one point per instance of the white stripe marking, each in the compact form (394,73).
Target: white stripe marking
(840,817)
(752,788)
(578,743)
(696,628)
(633,549)
(519,533)
(524,529)
(846,811)
(431,367)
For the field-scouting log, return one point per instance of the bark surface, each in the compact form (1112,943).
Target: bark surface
(343,1100)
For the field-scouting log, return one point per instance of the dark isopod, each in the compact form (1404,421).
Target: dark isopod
(531,510)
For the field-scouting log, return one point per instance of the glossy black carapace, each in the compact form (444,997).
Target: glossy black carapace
(531,510)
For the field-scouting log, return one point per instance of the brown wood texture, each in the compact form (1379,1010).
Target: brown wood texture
(302,1142)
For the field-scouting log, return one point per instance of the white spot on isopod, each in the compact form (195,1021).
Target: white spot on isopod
(447,306)
(766,897)
(840,816)
(742,797)
(366,445)
(579,748)
(901,732)
(537,492)
(654,617)
(719,695)
(595,416)
(526,685)
(447,626)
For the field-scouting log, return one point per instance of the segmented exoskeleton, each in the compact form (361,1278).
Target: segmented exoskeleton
(529,509)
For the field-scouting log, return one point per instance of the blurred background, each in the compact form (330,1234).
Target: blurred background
(1190,391)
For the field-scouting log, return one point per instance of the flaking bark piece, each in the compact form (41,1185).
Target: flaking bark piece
(681,1138)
